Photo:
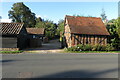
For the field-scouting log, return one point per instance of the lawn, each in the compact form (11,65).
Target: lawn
(10,52)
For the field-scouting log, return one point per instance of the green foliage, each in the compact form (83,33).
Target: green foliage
(118,26)
(80,47)
(74,48)
(89,47)
(39,19)
(50,27)
(97,47)
(112,21)
(109,47)
(114,39)
(21,13)
(86,47)
(40,25)
(60,28)
(103,48)
(11,51)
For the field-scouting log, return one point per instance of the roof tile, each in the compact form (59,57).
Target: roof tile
(35,30)
(87,25)
(10,28)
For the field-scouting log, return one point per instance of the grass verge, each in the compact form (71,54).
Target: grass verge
(92,51)
(11,52)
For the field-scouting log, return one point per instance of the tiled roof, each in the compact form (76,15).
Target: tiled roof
(86,25)
(10,28)
(35,30)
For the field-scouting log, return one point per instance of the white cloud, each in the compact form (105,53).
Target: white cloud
(6,20)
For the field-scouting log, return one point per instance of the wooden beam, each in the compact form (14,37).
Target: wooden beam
(77,40)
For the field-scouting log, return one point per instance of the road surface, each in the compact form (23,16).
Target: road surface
(60,65)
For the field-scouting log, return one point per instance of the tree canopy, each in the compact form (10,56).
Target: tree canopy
(114,30)
(21,13)
(50,27)
(103,15)
(118,26)
(60,28)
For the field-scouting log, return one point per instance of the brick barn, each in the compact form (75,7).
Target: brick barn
(35,36)
(13,36)
(84,30)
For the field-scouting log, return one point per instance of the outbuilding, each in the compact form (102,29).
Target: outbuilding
(13,36)
(35,37)
(84,30)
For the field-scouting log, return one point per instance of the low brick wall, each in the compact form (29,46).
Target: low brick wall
(9,49)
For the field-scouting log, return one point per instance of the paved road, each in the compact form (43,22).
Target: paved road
(60,65)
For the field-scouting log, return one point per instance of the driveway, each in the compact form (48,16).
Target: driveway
(51,46)
(61,65)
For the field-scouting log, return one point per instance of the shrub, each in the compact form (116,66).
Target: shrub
(66,49)
(80,47)
(109,47)
(97,47)
(74,48)
(87,47)
(103,47)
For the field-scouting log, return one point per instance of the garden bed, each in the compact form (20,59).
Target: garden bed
(92,49)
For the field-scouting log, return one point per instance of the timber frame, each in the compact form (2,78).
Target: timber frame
(84,30)
(88,39)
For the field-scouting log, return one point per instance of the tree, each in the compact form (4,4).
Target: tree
(114,35)
(112,21)
(104,17)
(21,13)
(60,28)
(118,26)
(39,19)
(50,27)
(40,23)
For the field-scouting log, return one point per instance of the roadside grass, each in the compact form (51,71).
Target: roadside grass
(92,51)
(10,52)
